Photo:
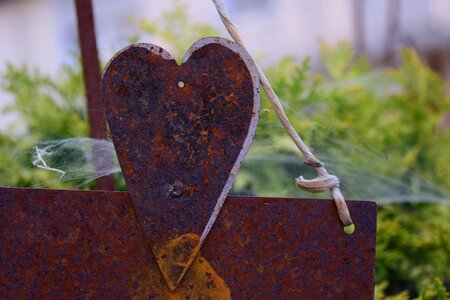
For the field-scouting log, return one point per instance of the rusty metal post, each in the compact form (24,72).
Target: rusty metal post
(359,26)
(392,32)
(91,73)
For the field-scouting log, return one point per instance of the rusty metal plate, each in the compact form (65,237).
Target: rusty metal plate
(89,245)
(181,133)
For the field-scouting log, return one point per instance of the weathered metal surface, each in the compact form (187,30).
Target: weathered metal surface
(91,75)
(180,133)
(90,245)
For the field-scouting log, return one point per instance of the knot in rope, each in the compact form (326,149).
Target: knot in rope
(318,184)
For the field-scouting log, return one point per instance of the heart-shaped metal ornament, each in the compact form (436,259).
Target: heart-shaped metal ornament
(181,133)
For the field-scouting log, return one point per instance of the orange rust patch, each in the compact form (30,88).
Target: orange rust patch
(200,281)
(227,223)
(193,117)
(175,256)
(189,191)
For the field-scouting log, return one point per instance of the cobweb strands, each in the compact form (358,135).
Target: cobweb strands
(74,159)
(83,159)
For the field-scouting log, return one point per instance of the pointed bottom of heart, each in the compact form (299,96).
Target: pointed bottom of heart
(199,282)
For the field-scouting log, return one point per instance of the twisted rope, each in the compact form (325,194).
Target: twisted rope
(324,181)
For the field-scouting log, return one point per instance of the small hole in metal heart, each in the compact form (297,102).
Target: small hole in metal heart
(181,84)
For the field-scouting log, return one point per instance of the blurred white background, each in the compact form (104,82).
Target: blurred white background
(42,33)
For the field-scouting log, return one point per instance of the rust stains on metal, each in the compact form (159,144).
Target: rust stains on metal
(181,131)
(200,282)
(80,244)
(175,256)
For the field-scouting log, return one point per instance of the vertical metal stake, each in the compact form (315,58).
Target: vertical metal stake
(359,26)
(91,73)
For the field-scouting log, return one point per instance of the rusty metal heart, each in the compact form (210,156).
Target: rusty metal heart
(180,133)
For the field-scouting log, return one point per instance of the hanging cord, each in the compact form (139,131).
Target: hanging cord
(324,181)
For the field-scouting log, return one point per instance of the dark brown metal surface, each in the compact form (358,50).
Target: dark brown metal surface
(91,75)
(89,245)
(180,132)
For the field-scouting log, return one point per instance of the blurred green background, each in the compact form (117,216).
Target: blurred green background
(378,129)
